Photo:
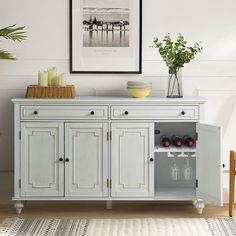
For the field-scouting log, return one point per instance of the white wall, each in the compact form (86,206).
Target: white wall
(213,73)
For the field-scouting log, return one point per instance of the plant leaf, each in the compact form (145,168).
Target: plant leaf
(176,53)
(13,33)
(6,55)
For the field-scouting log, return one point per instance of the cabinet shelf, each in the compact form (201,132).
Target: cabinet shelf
(181,194)
(174,149)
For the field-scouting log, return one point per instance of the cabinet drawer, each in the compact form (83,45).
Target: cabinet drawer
(154,112)
(64,112)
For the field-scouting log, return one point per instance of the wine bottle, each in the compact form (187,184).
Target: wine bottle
(165,141)
(176,141)
(188,141)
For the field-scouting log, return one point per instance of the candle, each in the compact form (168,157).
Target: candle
(44,79)
(52,76)
(62,80)
(39,77)
(55,81)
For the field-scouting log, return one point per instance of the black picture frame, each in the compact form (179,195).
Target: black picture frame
(106,62)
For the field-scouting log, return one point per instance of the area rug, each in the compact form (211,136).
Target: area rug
(119,227)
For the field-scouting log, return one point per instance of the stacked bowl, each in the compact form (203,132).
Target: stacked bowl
(139,89)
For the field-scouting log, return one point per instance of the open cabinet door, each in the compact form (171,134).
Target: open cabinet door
(209,164)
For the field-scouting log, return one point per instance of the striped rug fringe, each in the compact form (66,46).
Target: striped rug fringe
(43,227)
(7,223)
(119,227)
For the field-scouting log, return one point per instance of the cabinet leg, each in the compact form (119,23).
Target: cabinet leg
(18,206)
(199,205)
(109,205)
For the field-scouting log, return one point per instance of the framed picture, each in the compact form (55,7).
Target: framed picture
(105,36)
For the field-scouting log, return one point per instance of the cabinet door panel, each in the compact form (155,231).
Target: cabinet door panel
(131,170)
(209,163)
(87,151)
(41,172)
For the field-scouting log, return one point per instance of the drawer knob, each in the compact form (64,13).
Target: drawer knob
(60,159)
(67,160)
(182,113)
(35,112)
(151,159)
(126,113)
(92,113)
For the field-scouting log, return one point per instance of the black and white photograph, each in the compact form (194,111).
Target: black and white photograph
(106,23)
(105,36)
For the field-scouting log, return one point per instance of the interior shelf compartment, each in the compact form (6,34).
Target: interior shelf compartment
(168,188)
(174,128)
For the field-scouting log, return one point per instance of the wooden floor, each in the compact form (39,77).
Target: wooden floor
(121,210)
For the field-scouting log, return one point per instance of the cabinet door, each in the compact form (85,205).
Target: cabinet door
(42,174)
(132,148)
(209,163)
(87,151)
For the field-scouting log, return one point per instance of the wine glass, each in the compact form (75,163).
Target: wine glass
(187,171)
(174,169)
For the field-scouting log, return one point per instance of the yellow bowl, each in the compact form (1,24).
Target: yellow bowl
(139,93)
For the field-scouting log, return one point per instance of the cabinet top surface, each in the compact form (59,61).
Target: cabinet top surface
(111,100)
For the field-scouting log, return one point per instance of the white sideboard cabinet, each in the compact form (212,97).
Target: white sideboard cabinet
(108,149)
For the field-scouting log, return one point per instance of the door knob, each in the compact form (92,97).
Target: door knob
(151,159)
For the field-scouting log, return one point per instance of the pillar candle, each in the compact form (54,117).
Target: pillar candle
(62,80)
(53,72)
(50,76)
(55,81)
(39,77)
(44,79)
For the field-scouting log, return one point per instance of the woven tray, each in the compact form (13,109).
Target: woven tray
(35,91)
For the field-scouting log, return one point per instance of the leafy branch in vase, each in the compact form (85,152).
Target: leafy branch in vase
(176,53)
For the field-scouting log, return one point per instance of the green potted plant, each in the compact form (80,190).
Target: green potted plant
(11,33)
(176,54)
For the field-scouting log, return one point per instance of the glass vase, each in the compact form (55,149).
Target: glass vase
(175,89)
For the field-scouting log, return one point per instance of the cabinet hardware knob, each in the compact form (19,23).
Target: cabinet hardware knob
(67,160)
(151,159)
(35,112)
(60,159)
(223,165)
(126,113)
(182,113)
(92,113)
(157,131)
